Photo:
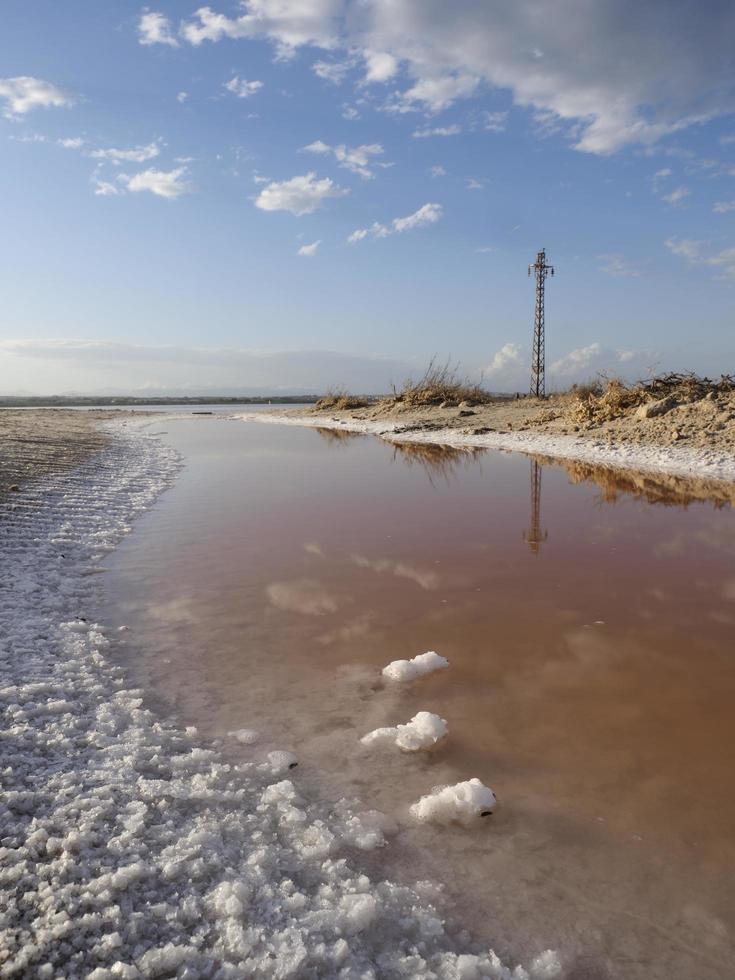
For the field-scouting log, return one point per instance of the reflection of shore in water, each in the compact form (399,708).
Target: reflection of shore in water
(337,437)
(654,488)
(534,536)
(436,460)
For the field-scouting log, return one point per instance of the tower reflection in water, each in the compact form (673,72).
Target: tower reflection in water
(534,536)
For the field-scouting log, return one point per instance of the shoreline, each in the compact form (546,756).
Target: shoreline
(679,461)
(132,847)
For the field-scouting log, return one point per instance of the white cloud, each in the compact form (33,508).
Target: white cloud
(437,171)
(155,28)
(71,142)
(676,196)
(356,159)
(510,367)
(608,74)
(242,88)
(288,23)
(428,214)
(643,75)
(494,122)
(694,252)
(332,71)
(299,195)
(663,173)
(722,207)
(473,184)
(350,112)
(616,265)
(379,66)
(485,249)
(434,93)
(163,183)
(182,97)
(24,92)
(687,248)
(506,360)
(584,363)
(104,188)
(453,130)
(138,154)
(309,251)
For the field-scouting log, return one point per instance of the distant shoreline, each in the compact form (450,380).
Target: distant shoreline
(124,401)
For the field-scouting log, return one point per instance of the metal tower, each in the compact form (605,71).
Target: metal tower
(534,536)
(538,358)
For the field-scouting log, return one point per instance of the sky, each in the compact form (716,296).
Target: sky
(286,195)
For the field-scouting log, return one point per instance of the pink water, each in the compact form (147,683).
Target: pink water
(592,676)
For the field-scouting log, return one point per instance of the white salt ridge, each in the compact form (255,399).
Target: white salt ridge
(462,803)
(422,732)
(128,847)
(408,670)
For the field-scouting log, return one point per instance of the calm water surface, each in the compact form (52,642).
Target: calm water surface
(592,677)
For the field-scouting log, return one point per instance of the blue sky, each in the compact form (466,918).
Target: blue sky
(181,190)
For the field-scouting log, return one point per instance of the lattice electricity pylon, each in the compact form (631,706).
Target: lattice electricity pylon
(538,357)
(534,536)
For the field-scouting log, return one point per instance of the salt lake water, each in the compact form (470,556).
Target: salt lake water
(591,684)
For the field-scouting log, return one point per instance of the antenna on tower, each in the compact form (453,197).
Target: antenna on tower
(538,357)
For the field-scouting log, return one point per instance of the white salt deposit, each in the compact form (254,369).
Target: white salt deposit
(408,670)
(462,803)
(421,732)
(129,848)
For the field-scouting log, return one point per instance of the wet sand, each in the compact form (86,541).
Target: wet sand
(37,442)
(588,625)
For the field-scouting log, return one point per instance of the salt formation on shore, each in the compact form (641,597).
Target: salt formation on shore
(421,732)
(462,803)
(408,670)
(128,847)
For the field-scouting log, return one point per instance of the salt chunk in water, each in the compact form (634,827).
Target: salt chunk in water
(421,732)
(245,735)
(408,670)
(461,803)
(281,761)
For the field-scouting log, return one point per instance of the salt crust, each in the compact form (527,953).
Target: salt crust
(128,847)
(422,732)
(408,670)
(462,803)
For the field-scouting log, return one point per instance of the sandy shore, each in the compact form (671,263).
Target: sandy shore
(40,442)
(703,450)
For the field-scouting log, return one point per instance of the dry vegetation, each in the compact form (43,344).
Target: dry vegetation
(440,386)
(338,400)
(608,399)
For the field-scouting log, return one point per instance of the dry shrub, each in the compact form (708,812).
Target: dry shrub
(337,399)
(611,403)
(593,405)
(440,385)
